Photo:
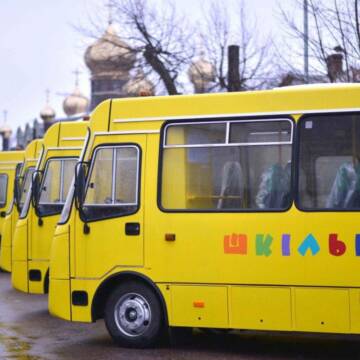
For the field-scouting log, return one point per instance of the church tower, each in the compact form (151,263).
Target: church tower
(76,103)
(110,60)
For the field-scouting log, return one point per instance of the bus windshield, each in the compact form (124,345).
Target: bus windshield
(55,185)
(25,186)
(3,189)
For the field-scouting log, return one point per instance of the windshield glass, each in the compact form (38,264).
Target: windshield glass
(56,181)
(55,185)
(26,204)
(65,213)
(67,206)
(3,189)
(25,186)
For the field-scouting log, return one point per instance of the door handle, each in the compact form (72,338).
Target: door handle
(132,229)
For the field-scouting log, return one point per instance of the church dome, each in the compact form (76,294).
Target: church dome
(47,113)
(109,55)
(5,130)
(75,103)
(139,85)
(201,73)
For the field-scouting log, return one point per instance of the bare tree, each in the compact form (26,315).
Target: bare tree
(334,39)
(162,40)
(165,44)
(219,33)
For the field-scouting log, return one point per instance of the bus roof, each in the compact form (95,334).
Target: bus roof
(33,149)
(9,159)
(65,134)
(131,114)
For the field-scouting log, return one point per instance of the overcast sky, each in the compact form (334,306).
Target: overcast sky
(40,48)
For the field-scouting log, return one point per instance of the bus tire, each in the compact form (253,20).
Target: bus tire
(133,316)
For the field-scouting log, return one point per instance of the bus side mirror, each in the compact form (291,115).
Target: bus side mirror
(80,183)
(35,188)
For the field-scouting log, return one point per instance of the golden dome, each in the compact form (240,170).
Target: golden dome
(139,85)
(201,73)
(5,130)
(109,55)
(47,113)
(75,103)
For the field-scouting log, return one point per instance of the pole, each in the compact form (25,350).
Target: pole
(306,42)
(234,83)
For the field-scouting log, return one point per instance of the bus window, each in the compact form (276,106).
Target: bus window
(3,189)
(329,169)
(55,185)
(233,165)
(112,188)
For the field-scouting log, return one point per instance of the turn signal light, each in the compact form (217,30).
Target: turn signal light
(199,304)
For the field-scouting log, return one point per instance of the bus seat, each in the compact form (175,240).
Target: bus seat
(352,200)
(274,188)
(345,189)
(232,185)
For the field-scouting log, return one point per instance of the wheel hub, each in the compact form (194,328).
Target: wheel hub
(132,314)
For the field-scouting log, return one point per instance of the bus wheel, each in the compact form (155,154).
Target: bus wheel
(133,316)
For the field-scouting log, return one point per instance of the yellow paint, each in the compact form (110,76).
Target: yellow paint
(263,312)
(60,246)
(291,293)
(37,287)
(185,314)
(60,308)
(33,246)
(32,153)
(312,311)
(20,281)
(8,163)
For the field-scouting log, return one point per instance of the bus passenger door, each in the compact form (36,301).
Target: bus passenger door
(109,230)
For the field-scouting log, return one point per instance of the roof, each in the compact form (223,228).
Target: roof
(128,113)
(66,134)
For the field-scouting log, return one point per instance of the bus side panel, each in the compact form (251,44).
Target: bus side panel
(199,306)
(259,307)
(354,295)
(5,256)
(322,310)
(59,299)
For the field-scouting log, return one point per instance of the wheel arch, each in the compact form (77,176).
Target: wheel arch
(104,290)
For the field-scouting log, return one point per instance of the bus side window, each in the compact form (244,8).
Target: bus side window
(329,162)
(232,186)
(274,188)
(345,190)
(222,166)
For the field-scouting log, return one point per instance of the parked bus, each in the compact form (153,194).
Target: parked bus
(227,211)
(43,204)
(21,186)
(10,164)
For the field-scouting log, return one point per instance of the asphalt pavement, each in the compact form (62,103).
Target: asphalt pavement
(28,332)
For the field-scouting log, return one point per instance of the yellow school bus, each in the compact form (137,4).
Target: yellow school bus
(227,211)
(21,186)
(43,204)
(10,165)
